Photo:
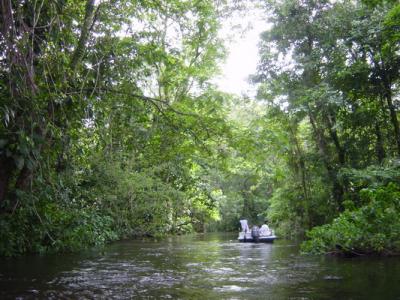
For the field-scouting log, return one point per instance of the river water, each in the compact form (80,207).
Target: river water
(211,266)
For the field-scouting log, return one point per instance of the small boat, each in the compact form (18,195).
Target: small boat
(248,238)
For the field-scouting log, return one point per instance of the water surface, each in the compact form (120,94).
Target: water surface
(211,266)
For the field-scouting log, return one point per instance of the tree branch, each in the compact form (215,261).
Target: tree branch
(86,26)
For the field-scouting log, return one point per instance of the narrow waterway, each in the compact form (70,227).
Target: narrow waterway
(211,266)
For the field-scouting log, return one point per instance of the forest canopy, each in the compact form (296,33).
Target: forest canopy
(111,125)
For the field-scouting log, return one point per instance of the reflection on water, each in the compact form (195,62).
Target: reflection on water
(210,266)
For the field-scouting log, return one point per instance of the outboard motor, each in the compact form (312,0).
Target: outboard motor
(255,233)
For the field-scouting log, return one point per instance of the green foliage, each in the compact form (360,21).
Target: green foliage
(140,203)
(230,208)
(291,214)
(373,228)
(107,108)
(329,73)
(111,127)
(44,226)
(373,175)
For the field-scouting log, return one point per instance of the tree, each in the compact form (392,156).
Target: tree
(104,93)
(331,66)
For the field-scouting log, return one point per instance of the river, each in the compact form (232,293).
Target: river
(210,266)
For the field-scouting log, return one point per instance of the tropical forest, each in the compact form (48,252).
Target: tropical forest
(113,127)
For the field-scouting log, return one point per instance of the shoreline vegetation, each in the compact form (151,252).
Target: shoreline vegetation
(111,125)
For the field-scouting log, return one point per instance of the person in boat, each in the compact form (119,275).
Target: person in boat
(245,225)
(255,233)
(264,230)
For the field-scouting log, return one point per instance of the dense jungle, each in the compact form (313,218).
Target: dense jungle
(112,125)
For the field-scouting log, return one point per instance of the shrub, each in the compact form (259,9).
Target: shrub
(373,228)
(47,227)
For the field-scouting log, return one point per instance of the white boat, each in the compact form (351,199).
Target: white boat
(248,238)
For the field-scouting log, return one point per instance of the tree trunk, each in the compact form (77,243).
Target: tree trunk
(393,118)
(85,30)
(299,157)
(380,150)
(333,134)
(337,188)
(386,85)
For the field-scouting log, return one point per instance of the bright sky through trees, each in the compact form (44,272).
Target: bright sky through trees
(242,55)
